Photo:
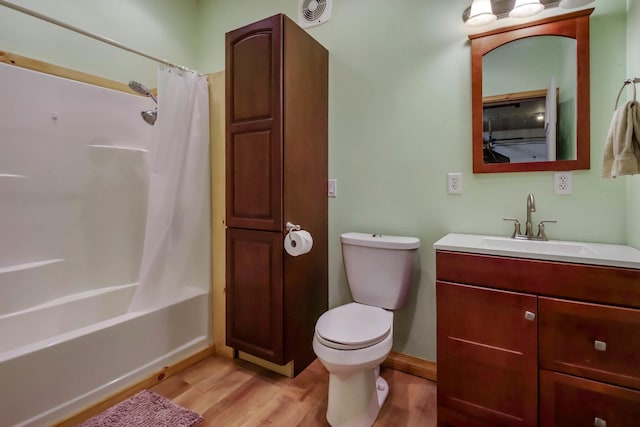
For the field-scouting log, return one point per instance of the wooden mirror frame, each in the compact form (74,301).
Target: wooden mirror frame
(573,25)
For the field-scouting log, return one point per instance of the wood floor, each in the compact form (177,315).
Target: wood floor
(233,393)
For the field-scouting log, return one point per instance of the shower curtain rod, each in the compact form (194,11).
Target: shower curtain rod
(91,35)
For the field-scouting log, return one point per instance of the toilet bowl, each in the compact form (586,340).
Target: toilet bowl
(352,340)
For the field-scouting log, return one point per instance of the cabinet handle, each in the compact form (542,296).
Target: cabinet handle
(599,422)
(600,346)
(529,316)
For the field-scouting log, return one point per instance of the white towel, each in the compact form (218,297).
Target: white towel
(622,148)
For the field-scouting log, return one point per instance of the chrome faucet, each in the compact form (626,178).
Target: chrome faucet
(528,231)
(531,207)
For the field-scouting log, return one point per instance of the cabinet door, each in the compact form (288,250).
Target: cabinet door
(254,125)
(487,355)
(567,401)
(254,293)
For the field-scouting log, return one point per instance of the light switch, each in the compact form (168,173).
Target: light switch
(333,187)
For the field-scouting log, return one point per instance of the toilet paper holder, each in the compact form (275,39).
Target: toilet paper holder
(292,227)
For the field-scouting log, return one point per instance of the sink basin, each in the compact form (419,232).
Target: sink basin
(552,247)
(554,250)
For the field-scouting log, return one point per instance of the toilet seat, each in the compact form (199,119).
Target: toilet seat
(353,326)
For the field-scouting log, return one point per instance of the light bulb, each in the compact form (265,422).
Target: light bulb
(481,13)
(570,4)
(526,8)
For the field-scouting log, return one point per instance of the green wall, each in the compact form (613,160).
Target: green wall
(399,111)
(161,28)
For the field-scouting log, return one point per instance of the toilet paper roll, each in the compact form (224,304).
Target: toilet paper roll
(298,242)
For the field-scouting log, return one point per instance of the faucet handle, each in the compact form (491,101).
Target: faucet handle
(541,233)
(516,226)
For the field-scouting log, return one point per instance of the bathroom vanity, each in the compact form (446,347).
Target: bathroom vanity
(537,333)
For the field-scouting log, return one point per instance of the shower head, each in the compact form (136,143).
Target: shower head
(142,90)
(150,116)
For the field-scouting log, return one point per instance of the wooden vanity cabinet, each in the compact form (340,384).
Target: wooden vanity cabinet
(276,172)
(572,332)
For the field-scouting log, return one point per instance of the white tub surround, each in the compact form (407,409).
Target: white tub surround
(74,191)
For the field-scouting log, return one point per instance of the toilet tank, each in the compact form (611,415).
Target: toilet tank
(379,268)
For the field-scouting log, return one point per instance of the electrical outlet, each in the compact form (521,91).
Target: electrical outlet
(454,184)
(563,182)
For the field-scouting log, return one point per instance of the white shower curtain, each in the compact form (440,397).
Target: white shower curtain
(178,204)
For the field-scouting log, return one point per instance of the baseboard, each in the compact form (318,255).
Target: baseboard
(412,365)
(146,383)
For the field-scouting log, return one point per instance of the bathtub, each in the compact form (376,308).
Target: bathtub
(74,194)
(58,357)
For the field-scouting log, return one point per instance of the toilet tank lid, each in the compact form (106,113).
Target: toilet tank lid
(380,241)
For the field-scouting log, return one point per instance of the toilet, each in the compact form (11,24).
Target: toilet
(352,340)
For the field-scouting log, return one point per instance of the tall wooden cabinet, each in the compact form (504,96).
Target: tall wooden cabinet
(276,172)
(525,342)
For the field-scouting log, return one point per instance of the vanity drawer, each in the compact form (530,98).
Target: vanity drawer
(590,340)
(567,401)
(599,284)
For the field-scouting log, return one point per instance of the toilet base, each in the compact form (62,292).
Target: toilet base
(355,399)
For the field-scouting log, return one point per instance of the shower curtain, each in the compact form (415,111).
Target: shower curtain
(178,191)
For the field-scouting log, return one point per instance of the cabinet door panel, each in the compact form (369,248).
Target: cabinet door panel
(487,354)
(252,91)
(254,293)
(254,198)
(254,61)
(568,334)
(569,401)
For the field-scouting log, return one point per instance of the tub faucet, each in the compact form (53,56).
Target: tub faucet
(528,231)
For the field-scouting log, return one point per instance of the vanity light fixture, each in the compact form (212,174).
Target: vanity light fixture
(526,8)
(481,13)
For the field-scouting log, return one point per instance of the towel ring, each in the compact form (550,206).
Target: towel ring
(631,82)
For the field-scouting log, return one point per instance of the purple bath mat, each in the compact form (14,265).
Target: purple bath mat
(145,409)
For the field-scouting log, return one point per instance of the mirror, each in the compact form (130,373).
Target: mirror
(528,105)
(530,96)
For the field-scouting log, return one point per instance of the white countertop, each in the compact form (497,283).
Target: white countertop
(553,250)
